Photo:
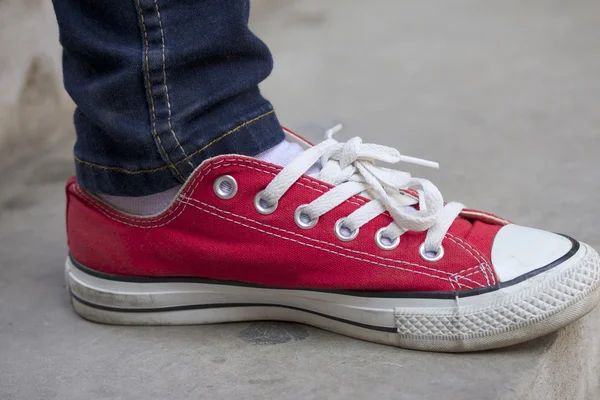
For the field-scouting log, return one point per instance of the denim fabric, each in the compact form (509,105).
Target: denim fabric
(160,86)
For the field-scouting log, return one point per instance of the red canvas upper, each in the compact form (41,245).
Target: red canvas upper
(201,235)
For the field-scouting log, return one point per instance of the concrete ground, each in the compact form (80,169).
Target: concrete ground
(504,94)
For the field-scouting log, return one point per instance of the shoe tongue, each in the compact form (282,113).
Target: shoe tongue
(461,227)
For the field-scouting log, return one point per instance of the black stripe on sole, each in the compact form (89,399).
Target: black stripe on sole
(575,245)
(228,305)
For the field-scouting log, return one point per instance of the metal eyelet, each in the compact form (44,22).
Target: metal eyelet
(385,246)
(338,231)
(225,187)
(438,255)
(265,210)
(298,218)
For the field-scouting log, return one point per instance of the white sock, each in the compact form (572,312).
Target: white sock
(281,154)
(142,205)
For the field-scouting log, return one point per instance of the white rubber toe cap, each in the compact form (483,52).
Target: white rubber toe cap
(518,250)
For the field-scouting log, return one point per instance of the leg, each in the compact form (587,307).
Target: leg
(326,238)
(160,86)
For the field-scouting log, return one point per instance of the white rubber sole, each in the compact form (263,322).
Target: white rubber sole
(529,309)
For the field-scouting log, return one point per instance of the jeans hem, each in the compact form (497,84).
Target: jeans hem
(251,135)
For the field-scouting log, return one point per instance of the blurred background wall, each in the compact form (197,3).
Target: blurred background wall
(34,108)
(33,105)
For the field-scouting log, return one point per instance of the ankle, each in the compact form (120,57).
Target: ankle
(280,154)
(142,205)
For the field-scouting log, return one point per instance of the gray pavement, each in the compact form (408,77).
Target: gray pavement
(504,94)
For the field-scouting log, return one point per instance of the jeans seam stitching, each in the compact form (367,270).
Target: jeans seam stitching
(146,171)
(151,94)
(237,128)
(168,98)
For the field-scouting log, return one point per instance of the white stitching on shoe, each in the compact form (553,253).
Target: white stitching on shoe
(334,245)
(102,210)
(116,216)
(454,278)
(452,284)
(483,258)
(192,187)
(164,71)
(452,238)
(484,265)
(478,270)
(320,248)
(306,244)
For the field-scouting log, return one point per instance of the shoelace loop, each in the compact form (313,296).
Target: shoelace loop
(350,168)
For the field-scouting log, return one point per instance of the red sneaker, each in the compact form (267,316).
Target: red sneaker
(360,250)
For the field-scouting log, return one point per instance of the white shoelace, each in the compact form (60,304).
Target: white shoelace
(350,168)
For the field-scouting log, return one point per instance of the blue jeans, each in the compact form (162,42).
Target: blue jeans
(160,86)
